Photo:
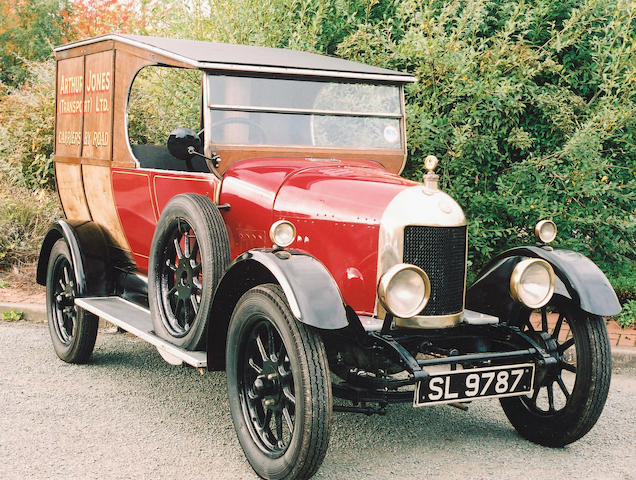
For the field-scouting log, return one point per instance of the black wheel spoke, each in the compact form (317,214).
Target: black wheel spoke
(535,394)
(195,248)
(565,345)
(261,347)
(544,319)
(195,304)
(189,314)
(267,420)
(170,264)
(529,324)
(279,428)
(280,354)
(289,395)
(177,248)
(288,419)
(268,387)
(563,388)
(186,245)
(255,367)
(551,397)
(178,308)
(557,327)
(270,340)
(252,395)
(567,366)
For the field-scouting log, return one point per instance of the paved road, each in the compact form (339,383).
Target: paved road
(130,415)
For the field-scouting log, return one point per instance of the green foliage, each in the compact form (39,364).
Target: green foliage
(161,99)
(4,284)
(531,106)
(25,217)
(623,280)
(28,30)
(627,318)
(27,119)
(12,316)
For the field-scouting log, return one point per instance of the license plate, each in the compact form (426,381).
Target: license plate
(490,382)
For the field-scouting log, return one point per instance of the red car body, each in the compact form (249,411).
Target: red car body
(333,199)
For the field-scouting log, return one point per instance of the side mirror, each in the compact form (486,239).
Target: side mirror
(184,143)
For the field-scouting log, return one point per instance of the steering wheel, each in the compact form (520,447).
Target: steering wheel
(262,135)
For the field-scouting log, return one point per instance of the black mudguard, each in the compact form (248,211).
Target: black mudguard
(578,278)
(311,291)
(90,252)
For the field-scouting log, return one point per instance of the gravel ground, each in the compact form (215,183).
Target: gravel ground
(130,415)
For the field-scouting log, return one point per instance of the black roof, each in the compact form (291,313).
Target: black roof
(224,56)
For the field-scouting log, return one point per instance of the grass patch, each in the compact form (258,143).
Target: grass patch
(12,316)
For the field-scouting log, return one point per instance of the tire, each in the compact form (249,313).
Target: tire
(282,422)
(567,404)
(188,256)
(73,330)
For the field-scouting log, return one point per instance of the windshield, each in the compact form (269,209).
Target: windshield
(266,111)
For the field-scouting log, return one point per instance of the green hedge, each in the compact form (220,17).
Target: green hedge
(530,106)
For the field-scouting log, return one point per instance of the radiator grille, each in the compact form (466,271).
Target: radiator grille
(441,253)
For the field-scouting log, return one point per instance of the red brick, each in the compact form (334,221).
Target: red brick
(626,340)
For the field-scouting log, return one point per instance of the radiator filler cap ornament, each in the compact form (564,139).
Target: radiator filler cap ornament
(430,162)
(430,179)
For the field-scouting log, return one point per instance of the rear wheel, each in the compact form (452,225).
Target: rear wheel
(73,330)
(278,385)
(567,402)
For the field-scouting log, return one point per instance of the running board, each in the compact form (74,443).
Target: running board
(136,320)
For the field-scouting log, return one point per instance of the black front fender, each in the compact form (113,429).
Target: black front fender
(577,278)
(312,293)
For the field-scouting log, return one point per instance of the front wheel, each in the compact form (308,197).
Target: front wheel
(278,386)
(566,403)
(188,257)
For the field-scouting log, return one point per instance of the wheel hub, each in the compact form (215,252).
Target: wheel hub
(550,346)
(184,276)
(268,387)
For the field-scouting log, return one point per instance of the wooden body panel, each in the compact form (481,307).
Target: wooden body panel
(71,190)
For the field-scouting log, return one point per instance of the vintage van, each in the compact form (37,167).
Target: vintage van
(241,208)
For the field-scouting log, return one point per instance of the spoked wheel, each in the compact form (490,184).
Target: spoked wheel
(73,330)
(278,385)
(181,278)
(567,401)
(267,388)
(189,254)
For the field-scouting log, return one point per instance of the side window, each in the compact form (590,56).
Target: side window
(162,99)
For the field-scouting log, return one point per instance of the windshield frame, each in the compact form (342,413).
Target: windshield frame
(393,159)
